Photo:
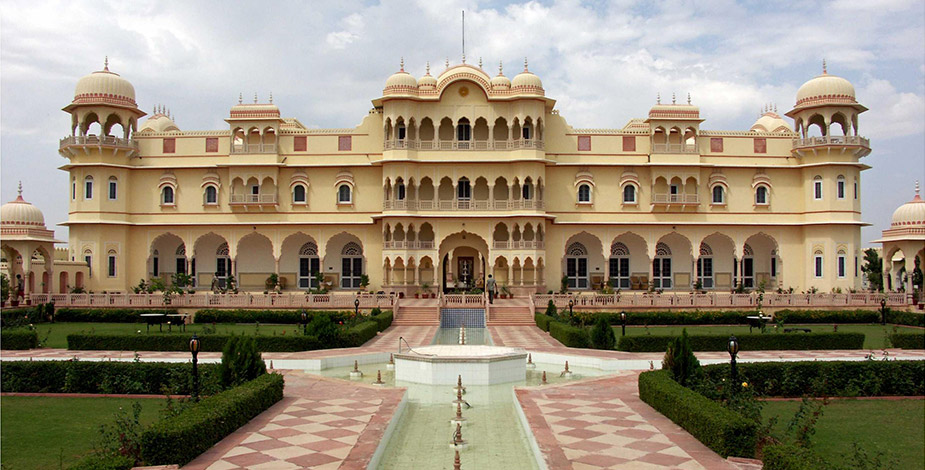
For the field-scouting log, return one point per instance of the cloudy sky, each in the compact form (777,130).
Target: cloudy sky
(603,61)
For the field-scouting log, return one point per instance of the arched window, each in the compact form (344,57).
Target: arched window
(400,190)
(661,267)
(748,266)
(402,131)
(464,189)
(818,262)
(463,130)
(344,194)
(309,266)
(298,194)
(840,187)
(111,264)
(719,195)
(817,188)
(167,196)
(113,188)
(73,189)
(88,258)
(526,133)
(761,195)
(629,194)
(211,196)
(619,266)
(576,266)
(705,266)
(351,266)
(841,267)
(88,187)
(222,264)
(527,190)
(584,194)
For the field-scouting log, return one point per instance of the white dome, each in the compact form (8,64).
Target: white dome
(159,123)
(526,82)
(826,89)
(104,87)
(19,213)
(500,82)
(771,122)
(401,82)
(908,215)
(427,82)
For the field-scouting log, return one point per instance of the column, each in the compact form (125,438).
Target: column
(27,285)
(536,273)
(694,276)
(510,273)
(414,274)
(491,196)
(450,280)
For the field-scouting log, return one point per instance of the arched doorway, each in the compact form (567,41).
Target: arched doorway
(462,259)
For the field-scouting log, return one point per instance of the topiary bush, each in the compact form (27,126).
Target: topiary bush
(382,319)
(602,336)
(747,342)
(551,310)
(18,338)
(241,362)
(571,336)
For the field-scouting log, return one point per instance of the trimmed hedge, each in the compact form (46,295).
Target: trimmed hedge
(18,338)
(908,340)
(181,438)
(384,319)
(900,317)
(16,316)
(747,342)
(542,321)
(829,378)
(106,315)
(265,316)
(828,316)
(571,336)
(105,377)
(729,317)
(720,429)
(210,343)
(359,334)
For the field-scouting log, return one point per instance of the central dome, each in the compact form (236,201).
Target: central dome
(104,87)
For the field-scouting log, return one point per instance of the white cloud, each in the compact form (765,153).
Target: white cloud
(892,113)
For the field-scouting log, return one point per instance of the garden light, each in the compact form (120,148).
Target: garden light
(623,322)
(571,302)
(194,346)
(733,348)
(356,305)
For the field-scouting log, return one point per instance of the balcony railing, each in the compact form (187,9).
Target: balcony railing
(408,245)
(519,245)
(463,205)
(104,141)
(680,199)
(255,199)
(253,148)
(208,300)
(716,299)
(832,140)
(406,144)
(674,148)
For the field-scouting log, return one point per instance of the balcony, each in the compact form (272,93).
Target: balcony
(664,199)
(406,144)
(674,148)
(73,142)
(253,148)
(519,245)
(463,205)
(253,200)
(860,145)
(408,245)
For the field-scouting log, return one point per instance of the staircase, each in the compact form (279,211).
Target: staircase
(417,312)
(510,312)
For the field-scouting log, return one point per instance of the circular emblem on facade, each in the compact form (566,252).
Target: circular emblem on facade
(464,91)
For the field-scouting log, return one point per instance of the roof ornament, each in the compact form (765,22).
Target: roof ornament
(402,65)
(775,108)
(20,188)
(240,98)
(427,69)
(824,71)
(255,97)
(673,100)
(464,36)
(658,98)
(271,97)
(480,62)
(447,62)
(688,98)
(106,64)
(916,187)
(500,67)
(525,65)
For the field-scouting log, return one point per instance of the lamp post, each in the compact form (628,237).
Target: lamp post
(356,305)
(883,311)
(733,348)
(194,349)
(623,322)
(571,302)
(304,321)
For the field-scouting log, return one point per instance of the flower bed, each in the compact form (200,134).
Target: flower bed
(748,342)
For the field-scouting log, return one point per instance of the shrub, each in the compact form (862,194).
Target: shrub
(789,456)
(680,359)
(829,378)
(105,377)
(13,317)
(104,462)
(180,438)
(899,317)
(571,336)
(323,328)
(105,315)
(361,333)
(241,362)
(382,319)
(720,429)
(748,342)
(602,336)
(551,310)
(18,338)
(212,343)
(542,321)
(908,340)
(828,316)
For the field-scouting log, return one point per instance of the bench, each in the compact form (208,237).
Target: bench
(791,330)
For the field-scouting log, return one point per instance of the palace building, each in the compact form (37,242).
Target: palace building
(458,175)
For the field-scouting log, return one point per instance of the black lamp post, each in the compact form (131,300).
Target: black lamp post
(194,349)
(733,348)
(571,302)
(883,311)
(623,322)
(356,305)
(304,321)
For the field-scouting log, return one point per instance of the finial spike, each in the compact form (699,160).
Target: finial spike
(106,64)
(447,62)
(916,187)
(271,97)
(775,108)
(427,68)
(20,187)
(500,67)
(673,99)
(255,97)
(480,62)
(688,98)
(658,98)
(402,64)
(525,65)
(824,71)
(240,98)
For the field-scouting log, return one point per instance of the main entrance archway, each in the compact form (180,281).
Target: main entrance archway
(462,261)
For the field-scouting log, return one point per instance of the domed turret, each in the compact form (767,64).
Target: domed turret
(401,83)
(526,82)
(910,214)
(770,121)
(826,106)
(106,88)
(160,121)
(21,214)
(427,82)
(500,82)
(103,99)
(825,89)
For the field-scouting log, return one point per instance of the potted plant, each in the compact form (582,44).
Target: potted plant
(364,281)
(425,290)
(505,292)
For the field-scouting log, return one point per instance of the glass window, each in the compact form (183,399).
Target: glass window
(526,133)
(400,191)
(463,189)
(817,188)
(88,188)
(761,195)
(167,198)
(842,265)
(88,259)
(112,266)
(817,271)
(527,191)
(584,193)
(402,132)
(113,189)
(629,194)
(840,188)
(343,194)
(298,193)
(718,197)
(211,195)
(463,131)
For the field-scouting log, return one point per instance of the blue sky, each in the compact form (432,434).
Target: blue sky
(603,61)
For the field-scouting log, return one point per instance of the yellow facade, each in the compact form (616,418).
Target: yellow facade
(453,177)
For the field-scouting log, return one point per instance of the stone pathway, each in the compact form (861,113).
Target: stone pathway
(320,423)
(602,424)
(527,337)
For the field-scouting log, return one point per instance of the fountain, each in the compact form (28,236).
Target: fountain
(566,373)
(459,417)
(459,385)
(458,441)
(481,364)
(355,374)
(530,364)
(379,379)
(391,364)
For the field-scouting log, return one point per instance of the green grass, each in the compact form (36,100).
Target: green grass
(874,335)
(43,432)
(57,332)
(894,427)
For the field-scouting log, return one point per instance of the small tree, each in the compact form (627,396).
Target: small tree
(322,327)
(551,309)
(241,361)
(364,281)
(4,288)
(271,282)
(563,285)
(873,268)
(680,359)
(602,336)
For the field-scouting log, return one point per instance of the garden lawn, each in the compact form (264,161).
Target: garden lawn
(874,335)
(894,427)
(56,333)
(42,432)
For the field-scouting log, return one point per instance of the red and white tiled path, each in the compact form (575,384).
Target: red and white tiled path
(321,424)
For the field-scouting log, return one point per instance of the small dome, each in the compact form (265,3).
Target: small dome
(159,122)
(770,122)
(400,82)
(104,87)
(825,89)
(526,82)
(427,82)
(908,215)
(19,213)
(500,82)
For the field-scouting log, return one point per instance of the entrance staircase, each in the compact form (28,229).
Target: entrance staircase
(417,312)
(510,312)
